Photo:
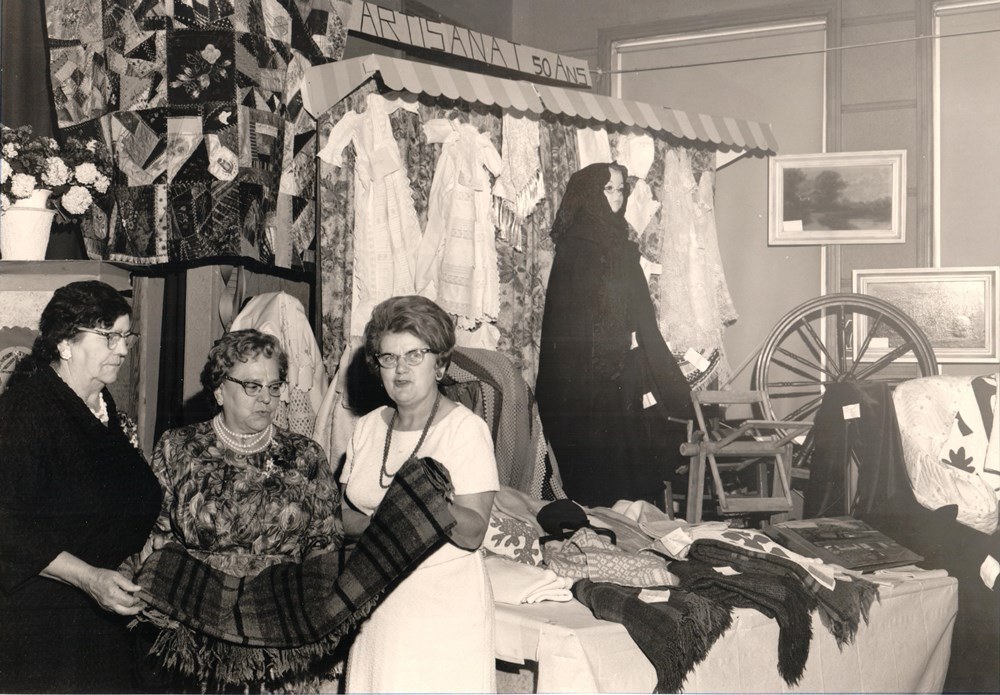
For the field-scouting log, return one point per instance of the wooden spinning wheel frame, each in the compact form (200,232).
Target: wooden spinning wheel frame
(835,338)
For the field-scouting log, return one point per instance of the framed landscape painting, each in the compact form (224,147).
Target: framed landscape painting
(956,308)
(837,198)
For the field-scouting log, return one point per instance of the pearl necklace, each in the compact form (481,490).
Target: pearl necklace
(244,444)
(383,474)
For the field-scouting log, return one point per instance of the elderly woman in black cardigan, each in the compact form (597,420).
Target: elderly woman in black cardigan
(76,500)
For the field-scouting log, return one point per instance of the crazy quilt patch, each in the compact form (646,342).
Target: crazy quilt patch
(200,103)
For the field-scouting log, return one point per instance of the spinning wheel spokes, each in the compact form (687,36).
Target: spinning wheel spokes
(833,339)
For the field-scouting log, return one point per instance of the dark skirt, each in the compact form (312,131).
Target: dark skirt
(56,639)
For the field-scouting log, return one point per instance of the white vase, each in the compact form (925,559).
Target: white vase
(25,227)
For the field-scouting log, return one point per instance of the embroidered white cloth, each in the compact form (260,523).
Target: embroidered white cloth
(641,207)
(592,146)
(516,582)
(928,409)
(386,228)
(457,256)
(635,153)
(283,316)
(520,185)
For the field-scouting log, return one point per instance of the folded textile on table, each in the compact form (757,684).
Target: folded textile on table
(840,609)
(515,582)
(587,555)
(304,608)
(782,598)
(675,635)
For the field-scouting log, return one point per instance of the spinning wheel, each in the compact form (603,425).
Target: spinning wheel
(835,338)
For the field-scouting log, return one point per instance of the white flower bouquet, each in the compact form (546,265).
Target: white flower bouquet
(77,173)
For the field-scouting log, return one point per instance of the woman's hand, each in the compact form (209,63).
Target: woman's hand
(110,589)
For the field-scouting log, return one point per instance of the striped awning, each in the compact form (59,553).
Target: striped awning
(327,84)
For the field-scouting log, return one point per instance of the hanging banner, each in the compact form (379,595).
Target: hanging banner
(370,19)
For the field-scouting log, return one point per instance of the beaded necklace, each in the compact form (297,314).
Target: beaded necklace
(382,474)
(243,444)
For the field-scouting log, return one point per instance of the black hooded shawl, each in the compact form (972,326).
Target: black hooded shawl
(607,382)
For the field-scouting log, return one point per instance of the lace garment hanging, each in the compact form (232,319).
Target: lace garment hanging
(386,229)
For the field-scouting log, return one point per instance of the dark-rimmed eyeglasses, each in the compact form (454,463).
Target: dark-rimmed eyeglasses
(114,338)
(388,360)
(252,388)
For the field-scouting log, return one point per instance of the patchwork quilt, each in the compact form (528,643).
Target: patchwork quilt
(200,103)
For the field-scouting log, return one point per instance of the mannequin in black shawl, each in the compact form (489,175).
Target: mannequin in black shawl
(607,383)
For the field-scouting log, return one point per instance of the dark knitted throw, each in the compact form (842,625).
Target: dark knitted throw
(295,612)
(674,635)
(841,609)
(782,598)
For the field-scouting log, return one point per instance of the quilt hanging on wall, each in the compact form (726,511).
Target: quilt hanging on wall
(200,104)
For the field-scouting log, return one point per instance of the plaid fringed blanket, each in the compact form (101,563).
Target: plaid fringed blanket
(675,635)
(294,612)
(841,609)
(784,599)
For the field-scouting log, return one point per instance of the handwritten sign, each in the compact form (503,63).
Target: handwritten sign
(384,23)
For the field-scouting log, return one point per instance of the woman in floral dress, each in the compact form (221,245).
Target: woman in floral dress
(239,492)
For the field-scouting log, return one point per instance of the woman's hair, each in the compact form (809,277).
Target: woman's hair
(84,304)
(240,346)
(410,314)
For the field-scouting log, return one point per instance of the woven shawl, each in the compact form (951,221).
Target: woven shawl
(840,609)
(306,607)
(674,635)
(784,599)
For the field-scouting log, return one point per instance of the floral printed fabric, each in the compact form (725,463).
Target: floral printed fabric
(246,512)
(200,103)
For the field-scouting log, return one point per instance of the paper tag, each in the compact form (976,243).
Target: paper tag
(800,440)
(726,571)
(792,225)
(635,343)
(695,358)
(852,411)
(648,401)
(989,571)
(654,595)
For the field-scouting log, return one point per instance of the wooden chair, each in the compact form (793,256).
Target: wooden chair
(726,449)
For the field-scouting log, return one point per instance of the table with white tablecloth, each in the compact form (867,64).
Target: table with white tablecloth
(905,647)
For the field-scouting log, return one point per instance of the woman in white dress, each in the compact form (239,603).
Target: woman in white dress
(434,632)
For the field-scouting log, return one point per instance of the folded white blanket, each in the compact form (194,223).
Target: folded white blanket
(517,582)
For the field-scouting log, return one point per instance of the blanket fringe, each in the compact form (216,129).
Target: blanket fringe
(217,664)
(845,631)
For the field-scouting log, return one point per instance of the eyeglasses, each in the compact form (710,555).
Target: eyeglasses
(252,388)
(388,360)
(114,338)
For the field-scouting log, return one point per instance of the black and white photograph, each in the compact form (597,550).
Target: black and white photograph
(506,346)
